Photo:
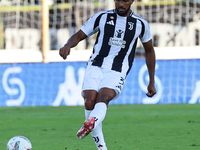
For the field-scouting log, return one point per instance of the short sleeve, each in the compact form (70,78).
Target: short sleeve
(92,25)
(146,33)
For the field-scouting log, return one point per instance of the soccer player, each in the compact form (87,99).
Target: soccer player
(112,58)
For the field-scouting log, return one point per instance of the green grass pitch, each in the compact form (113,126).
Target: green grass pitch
(126,127)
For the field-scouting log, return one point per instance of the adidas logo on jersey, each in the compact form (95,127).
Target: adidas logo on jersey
(111,22)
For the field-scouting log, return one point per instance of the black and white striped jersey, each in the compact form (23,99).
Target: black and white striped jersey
(116,39)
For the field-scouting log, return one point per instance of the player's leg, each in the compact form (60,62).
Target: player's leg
(89,99)
(99,113)
(93,124)
(100,108)
(98,137)
(91,81)
(110,87)
(97,133)
(104,96)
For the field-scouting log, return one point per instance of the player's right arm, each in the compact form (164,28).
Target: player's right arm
(72,42)
(89,28)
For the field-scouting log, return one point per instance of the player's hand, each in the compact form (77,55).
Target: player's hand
(64,51)
(151,90)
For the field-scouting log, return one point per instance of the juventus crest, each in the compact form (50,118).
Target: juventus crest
(130,25)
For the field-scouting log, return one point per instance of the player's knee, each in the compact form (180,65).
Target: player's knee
(89,104)
(104,98)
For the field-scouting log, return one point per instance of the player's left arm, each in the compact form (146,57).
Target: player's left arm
(150,62)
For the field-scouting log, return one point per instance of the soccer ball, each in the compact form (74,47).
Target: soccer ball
(19,143)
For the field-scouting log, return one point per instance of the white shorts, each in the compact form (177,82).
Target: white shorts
(96,78)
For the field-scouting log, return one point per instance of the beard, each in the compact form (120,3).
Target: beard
(123,13)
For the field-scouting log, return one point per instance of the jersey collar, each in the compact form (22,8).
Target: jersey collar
(131,13)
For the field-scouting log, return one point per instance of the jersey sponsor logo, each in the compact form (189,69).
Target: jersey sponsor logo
(119,33)
(116,42)
(111,22)
(130,25)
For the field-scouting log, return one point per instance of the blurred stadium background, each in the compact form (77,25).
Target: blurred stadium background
(24,18)
(32,31)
